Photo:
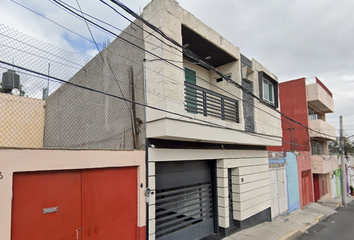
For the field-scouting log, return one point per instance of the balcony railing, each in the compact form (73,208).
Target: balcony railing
(199,100)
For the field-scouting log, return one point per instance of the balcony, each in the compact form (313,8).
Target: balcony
(322,164)
(324,130)
(203,105)
(320,97)
(199,100)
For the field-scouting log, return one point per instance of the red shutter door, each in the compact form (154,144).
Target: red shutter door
(36,192)
(109,206)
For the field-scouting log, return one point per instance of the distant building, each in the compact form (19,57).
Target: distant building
(307,101)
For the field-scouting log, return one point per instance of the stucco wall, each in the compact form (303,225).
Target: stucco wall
(21,121)
(320,97)
(322,164)
(13,160)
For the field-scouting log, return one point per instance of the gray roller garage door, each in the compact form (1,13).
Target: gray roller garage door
(184,200)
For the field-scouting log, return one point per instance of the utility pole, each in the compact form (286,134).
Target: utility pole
(344,184)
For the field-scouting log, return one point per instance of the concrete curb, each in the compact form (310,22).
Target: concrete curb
(294,234)
(291,235)
(338,205)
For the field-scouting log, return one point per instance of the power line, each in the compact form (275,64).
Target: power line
(146,42)
(203,63)
(190,54)
(109,65)
(208,123)
(165,60)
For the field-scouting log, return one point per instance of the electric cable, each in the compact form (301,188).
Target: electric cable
(148,60)
(202,62)
(207,123)
(236,84)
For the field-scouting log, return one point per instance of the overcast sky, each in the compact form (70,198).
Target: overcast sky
(293,39)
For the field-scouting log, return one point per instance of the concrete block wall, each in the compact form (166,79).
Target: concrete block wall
(83,119)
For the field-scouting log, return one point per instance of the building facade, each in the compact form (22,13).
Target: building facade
(307,101)
(186,146)
(209,168)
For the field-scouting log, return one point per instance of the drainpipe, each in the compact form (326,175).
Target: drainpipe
(146,149)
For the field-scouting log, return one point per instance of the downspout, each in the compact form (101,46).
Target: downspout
(146,149)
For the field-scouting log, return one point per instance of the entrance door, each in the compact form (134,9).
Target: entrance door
(109,206)
(75,205)
(184,200)
(279,198)
(292,182)
(46,205)
(306,187)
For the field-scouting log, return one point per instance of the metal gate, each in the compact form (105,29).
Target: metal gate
(184,200)
(89,204)
(333,187)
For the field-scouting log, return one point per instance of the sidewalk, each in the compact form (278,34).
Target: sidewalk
(290,226)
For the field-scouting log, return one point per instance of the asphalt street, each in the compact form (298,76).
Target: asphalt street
(339,226)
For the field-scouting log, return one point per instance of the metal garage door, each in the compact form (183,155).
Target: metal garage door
(93,204)
(184,200)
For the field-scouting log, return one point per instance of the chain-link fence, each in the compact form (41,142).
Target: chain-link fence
(55,98)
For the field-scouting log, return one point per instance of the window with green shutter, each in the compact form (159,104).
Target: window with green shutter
(191,93)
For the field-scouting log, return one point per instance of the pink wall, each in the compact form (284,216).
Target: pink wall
(304,164)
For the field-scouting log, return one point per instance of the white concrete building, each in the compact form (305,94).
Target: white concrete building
(209,171)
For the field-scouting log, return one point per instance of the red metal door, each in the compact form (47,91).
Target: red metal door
(316,186)
(35,198)
(306,187)
(109,206)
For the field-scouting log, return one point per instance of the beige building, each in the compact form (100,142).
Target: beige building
(21,121)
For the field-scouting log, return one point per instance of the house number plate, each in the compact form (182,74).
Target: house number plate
(50,210)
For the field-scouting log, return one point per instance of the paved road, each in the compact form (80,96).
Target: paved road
(339,226)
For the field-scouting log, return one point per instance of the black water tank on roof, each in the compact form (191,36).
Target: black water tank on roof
(10,80)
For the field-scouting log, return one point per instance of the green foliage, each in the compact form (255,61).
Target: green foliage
(334,147)
(22,92)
